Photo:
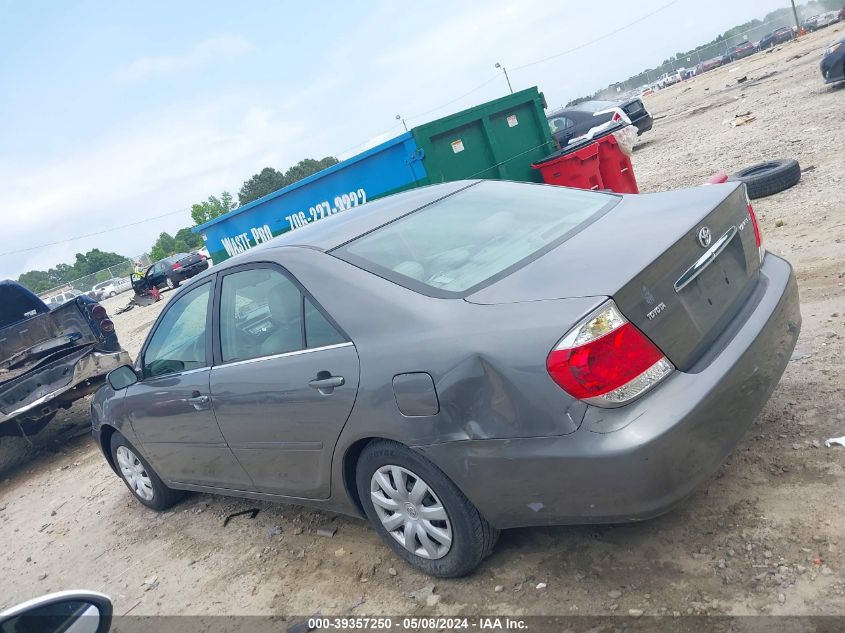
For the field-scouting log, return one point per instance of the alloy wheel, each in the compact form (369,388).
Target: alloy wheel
(134,473)
(170,283)
(410,512)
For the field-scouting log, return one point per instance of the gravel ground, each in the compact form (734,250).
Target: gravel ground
(764,536)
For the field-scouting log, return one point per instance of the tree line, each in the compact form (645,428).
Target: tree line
(257,186)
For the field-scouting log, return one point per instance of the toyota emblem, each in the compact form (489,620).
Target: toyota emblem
(704,236)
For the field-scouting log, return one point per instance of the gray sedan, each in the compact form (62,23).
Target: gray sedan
(464,358)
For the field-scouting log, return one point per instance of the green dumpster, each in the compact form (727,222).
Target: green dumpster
(498,140)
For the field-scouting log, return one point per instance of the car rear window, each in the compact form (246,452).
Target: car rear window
(469,239)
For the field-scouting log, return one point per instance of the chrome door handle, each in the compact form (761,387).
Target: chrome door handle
(327,383)
(197,401)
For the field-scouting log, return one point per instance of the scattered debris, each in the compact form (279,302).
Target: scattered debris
(635,613)
(328,532)
(743,119)
(614,594)
(339,552)
(42,576)
(541,585)
(835,440)
(742,79)
(150,583)
(498,588)
(252,512)
(779,222)
(273,531)
(425,596)
(392,571)
(804,170)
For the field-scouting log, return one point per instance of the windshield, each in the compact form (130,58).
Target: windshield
(467,239)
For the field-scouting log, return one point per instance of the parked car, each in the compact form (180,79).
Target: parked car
(424,363)
(50,358)
(778,36)
(826,19)
(841,15)
(62,298)
(574,121)
(809,24)
(833,62)
(172,271)
(741,51)
(112,287)
(709,64)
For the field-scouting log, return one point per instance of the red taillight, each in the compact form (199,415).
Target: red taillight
(758,237)
(99,312)
(616,117)
(176,266)
(106,326)
(606,360)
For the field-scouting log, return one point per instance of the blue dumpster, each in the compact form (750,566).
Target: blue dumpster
(388,168)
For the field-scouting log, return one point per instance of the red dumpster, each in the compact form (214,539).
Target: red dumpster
(595,164)
(615,167)
(576,165)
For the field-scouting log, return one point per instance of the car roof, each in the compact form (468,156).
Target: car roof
(338,229)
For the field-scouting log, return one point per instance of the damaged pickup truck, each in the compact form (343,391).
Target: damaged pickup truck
(50,358)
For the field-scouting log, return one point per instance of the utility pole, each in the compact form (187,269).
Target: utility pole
(797,22)
(498,65)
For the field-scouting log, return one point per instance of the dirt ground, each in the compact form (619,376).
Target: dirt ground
(765,535)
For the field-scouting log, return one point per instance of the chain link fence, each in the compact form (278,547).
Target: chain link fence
(86,284)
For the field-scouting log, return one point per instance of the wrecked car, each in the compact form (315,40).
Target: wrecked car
(463,358)
(50,358)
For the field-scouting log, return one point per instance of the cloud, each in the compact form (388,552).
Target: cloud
(149,166)
(205,52)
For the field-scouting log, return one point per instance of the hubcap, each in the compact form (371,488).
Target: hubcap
(170,283)
(134,473)
(410,512)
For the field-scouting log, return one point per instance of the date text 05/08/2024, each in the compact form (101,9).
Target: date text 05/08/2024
(259,234)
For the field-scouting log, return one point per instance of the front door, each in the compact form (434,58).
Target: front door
(170,408)
(285,382)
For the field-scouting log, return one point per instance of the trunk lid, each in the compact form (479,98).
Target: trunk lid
(646,255)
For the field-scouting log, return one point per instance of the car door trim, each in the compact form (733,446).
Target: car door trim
(297,352)
(701,264)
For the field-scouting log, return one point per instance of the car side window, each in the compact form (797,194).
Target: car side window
(178,343)
(318,331)
(260,315)
(263,313)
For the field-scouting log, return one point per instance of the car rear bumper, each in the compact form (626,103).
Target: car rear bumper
(59,382)
(186,272)
(666,444)
(643,124)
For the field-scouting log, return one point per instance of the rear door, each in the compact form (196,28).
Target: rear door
(284,381)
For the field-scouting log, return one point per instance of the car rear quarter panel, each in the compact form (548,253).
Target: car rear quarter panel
(491,381)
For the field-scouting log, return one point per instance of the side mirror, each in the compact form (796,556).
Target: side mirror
(121,378)
(77,611)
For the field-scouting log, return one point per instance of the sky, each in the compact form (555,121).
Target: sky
(117,113)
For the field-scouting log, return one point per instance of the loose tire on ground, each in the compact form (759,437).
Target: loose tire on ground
(162,496)
(771,177)
(472,537)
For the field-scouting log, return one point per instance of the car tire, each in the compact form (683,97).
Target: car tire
(171,283)
(766,179)
(469,537)
(142,481)
(112,294)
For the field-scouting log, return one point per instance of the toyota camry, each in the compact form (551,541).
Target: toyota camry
(464,358)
